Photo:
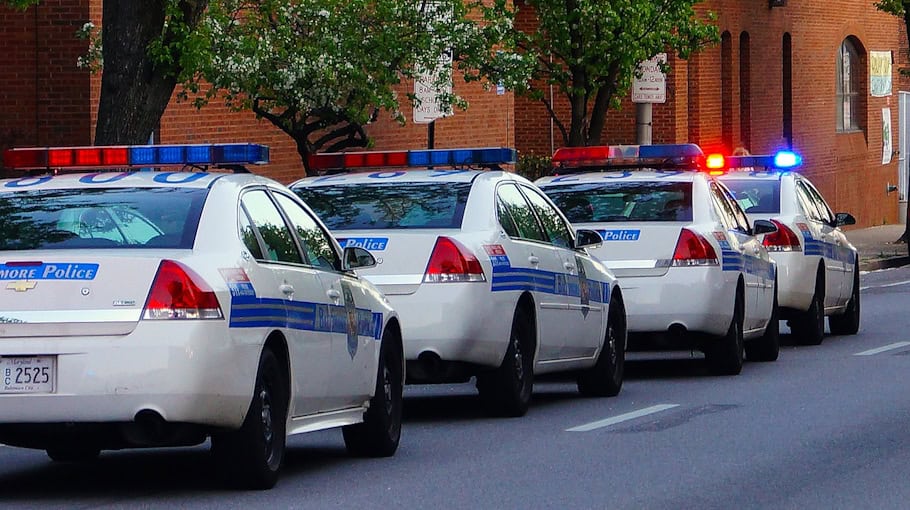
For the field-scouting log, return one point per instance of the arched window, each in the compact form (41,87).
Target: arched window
(849,80)
(745,90)
(787,89)
(726,89)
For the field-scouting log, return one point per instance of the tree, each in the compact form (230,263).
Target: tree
(145,51)
(901,9)
(321,70)
(589,50)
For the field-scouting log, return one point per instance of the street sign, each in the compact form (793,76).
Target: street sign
(427,107)
(651,87)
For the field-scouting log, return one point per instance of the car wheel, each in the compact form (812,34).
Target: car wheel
(73,453)
(506,391)
(848,323)
(251,457)
(380,432)
(605,378)
(809,326)
(725,356)
(767,348)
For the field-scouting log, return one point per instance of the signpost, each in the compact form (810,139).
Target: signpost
(648,88)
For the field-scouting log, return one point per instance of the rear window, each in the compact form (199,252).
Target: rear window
(756,196)
(100,218)
(623,201)
(388,206)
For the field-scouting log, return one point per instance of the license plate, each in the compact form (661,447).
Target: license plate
(28,374)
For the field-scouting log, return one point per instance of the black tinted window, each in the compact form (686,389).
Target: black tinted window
(756,196)
(623,201)
(384,206)
(100,218)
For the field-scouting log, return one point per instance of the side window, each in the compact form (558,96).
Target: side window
(314,240)
(505,219)
(742,220)
(806,202)
(553,223)
(249,235)
(820,203)
(723,208)
(525,221)
(276,236)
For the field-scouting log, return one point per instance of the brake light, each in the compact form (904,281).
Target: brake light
(693,250)
(452,262)
(782,240)
(179,293)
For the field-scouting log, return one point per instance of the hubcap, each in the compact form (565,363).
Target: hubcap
(519,359)
(266,416)
(387,389)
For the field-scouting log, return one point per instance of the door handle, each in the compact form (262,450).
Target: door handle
(533,260)
(286,289)
(569,266)
(333,294)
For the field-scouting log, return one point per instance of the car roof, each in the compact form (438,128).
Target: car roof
(391,176)
(135,179)
(626,175)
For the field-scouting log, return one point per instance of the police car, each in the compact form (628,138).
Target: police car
(818,266)
(488,276)
(692,271)
(158,308)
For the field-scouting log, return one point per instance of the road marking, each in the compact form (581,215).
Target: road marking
(621,418)
(895,284)
(889,347)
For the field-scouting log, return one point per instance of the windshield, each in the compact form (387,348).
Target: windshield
(756,196)
(100,218)
(388,206)
(623,201)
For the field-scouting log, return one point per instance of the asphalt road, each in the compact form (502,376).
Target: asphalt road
(823,427)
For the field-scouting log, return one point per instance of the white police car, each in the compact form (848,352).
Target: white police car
(488,276)
(819,272)
(152,308)
(692,272)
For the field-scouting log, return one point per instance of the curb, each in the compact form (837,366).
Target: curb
(874,264)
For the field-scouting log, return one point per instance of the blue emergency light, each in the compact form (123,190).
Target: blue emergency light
(652,156)
(782,160)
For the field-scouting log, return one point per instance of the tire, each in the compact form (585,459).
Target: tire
(605,378)
(251,458)
(725,356)
(767,348)
(848,322)
(506,391)
(380,432)
(809,327)
(73,453)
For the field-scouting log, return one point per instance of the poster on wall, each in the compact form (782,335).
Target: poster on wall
(880,73)
(886,136)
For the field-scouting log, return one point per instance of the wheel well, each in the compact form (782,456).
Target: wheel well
(616,295)
(279,347)
(820,277)
(741,296)
(526,303)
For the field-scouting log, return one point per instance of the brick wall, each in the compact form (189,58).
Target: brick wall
(708,104)
(46,99)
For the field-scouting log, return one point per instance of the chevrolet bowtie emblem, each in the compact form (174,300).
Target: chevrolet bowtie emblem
(21,286)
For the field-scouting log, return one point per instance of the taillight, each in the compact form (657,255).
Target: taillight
(179,293)
(452,262)
(782,240)
(693,250)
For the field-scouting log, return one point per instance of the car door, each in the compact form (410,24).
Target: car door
(303,301)
(536,265)
(354,347)
(584,316)
(823,241)
(837,249)
(744,249)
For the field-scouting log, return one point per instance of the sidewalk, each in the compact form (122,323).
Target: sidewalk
(876,246)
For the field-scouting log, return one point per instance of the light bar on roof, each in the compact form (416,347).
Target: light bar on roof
(481,157)
(783,160)
(127,156)
(628,155)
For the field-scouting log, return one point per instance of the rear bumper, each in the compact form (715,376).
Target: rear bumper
(700,299)
(795,279)
(464,322)
(186,371)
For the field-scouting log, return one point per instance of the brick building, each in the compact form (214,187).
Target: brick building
(771,83)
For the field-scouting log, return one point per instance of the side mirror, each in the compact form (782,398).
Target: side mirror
(585,238)
(763,227)
(356,258)
(843,218)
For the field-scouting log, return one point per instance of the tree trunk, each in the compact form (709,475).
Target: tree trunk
(134,90)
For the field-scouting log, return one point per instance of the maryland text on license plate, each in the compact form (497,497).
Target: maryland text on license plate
(28,374)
